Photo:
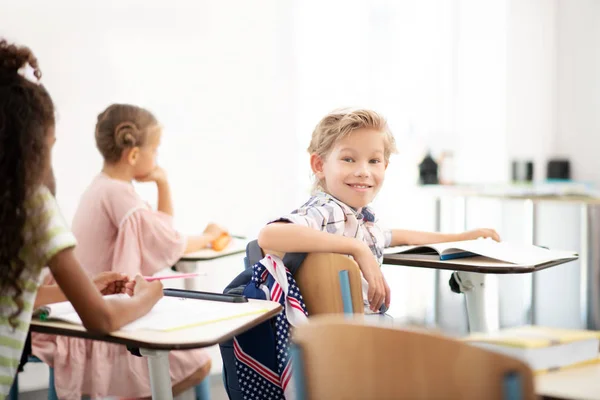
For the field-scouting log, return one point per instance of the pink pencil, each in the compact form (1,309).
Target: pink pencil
(160,278)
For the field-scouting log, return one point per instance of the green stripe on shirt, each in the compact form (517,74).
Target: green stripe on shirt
(12,343)
(9,362)
(22,326)
(30,286)
(6,380)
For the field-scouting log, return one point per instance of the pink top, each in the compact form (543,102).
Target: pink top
(115,230)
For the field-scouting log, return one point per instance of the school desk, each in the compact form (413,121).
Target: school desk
(533,200)
(155,345)
(581,382)
(474,272)
(188,263)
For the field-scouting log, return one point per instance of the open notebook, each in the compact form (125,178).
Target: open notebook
(169,314)
(514,253)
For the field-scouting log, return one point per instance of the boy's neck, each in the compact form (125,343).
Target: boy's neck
(117,171)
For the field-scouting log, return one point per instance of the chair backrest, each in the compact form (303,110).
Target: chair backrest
(337,358)
(328,282)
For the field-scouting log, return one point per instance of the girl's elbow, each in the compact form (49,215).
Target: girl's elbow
(103,323)
(101,327)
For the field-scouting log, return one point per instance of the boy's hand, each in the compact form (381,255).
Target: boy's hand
(157,175)
(379,291)
(111,282)
(480,233)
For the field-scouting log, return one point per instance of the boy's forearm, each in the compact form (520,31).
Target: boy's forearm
(288,237)
(403,237)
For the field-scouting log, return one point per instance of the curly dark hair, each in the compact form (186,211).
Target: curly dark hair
(26,118)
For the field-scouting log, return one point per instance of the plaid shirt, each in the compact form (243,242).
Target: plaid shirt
(325,213)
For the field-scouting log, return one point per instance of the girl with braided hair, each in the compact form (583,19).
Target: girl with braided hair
(117,231)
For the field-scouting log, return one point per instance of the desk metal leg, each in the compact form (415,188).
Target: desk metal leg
(187,267)
(481,295)
(531,237)
(160,377)
(584,268)
(437,274)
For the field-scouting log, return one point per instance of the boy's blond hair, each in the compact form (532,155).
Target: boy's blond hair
(340,123)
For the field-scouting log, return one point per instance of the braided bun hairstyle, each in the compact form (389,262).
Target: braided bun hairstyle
(121,127)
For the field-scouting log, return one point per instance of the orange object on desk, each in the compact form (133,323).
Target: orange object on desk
(221,242)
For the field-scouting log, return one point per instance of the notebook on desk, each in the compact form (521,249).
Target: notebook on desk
(169,314)
(507,252)
(543,348)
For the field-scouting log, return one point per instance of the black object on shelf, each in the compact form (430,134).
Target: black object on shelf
(522,171)
(428,171)
(558,169)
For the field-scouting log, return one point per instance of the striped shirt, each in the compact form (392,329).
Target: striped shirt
(328,214)
(46,234)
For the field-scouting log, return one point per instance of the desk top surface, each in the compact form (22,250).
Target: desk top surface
(582,382)
(470,264)
(189,338)
(236,246)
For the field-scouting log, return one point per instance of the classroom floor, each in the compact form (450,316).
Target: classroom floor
(33,384)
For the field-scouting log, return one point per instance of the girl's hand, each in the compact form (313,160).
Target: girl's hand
(141,286)
(480,233)
(130,287)
(379,291)
(111,282)
(213,231)
(157,175)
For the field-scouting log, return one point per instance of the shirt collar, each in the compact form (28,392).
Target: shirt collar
(365,213)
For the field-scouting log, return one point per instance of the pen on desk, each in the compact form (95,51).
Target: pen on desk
(160,278)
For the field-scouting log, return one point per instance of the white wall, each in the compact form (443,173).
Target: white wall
(578,80)
(480,69)
(215,73)
(531,101)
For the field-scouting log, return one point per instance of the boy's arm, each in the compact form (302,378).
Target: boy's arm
(404,237)
(277,238)
(281,237)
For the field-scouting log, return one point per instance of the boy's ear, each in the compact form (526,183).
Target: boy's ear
(316,164)
(132,155)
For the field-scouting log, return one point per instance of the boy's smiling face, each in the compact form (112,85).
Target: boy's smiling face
(354,169)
